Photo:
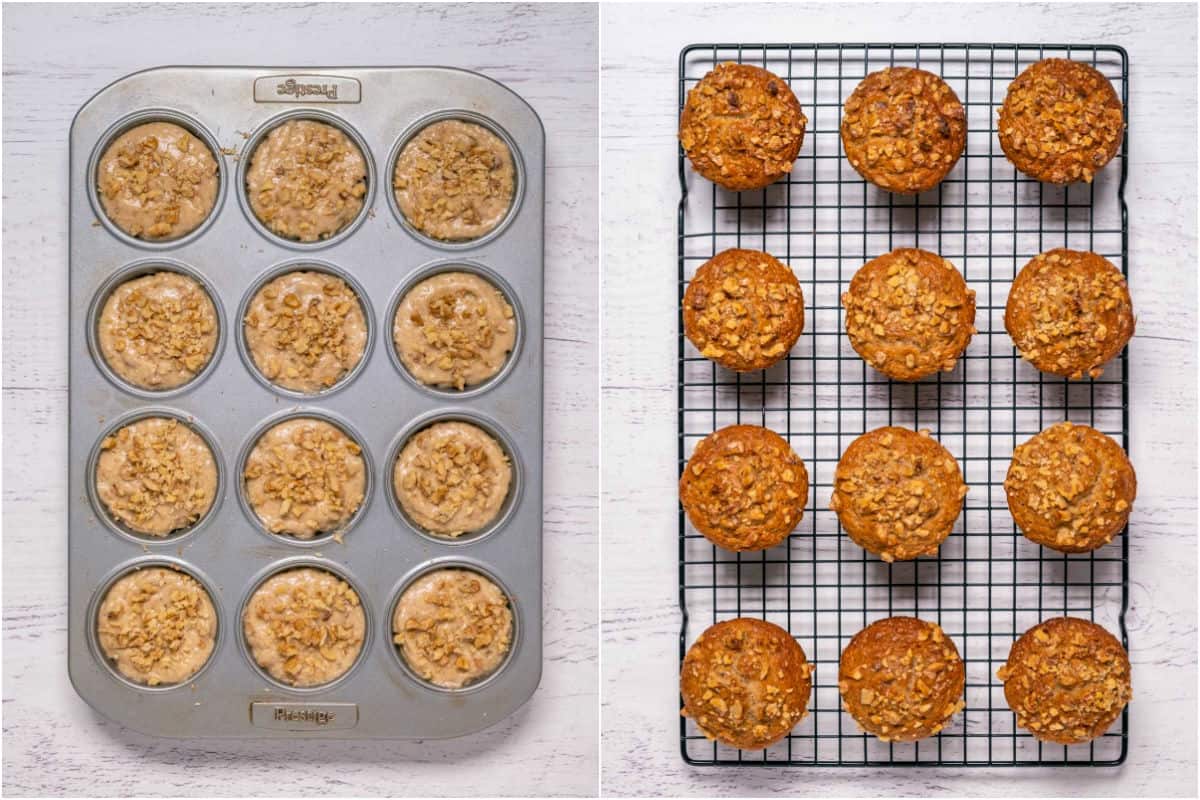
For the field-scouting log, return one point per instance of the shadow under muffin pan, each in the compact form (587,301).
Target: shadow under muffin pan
(229,404)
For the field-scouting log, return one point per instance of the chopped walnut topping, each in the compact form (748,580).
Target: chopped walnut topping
(157,181)
(305,626)
(306,181)
(452,478)
(1067,680)
(454,180)
(1061,121)
(454,627)
(157,625)
(1069,313)
(304,477)
(158,331)
(156,476)
(306,330)
(454,330)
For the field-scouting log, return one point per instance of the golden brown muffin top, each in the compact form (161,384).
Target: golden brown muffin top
(909,313)
(897,493)
(1070,488)
(901,678)
(744,488)
(1061,121)
(1067,680)
(1069,312)
(742,127)
(746,683)
(743,309)
(903,129)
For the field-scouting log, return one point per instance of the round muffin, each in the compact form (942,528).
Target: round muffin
(454,181)
(741,127)
(306,180)
(743,309)
(903,129)
(156,476)
(454,627)
(305,331)
(897,493)
(452,478)
(157,626)
(744,488)
(454,330)
(909,314)
(304,626)
(158,331)
(1070,488)
(1067,680)
(1061,121)
(305,477)
(746,683)
(901,679)
(157,181)
(1069,313)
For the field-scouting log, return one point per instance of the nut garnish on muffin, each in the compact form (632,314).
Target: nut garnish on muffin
(746,683)
(742,127)
(743,309)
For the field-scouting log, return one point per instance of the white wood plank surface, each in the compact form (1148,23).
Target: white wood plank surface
(55,58)
(640,613)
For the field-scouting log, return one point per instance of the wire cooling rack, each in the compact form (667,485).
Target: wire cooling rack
(988,584)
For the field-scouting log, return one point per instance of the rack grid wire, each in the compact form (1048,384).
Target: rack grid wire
(988,584)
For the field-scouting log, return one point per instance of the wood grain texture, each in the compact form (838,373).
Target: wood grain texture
(640,186)
(55,58)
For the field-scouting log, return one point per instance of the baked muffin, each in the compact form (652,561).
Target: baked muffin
(306,180)
(304,626)
(1061,121)
(156,476)
(157,626)
(744,488)
(742,127)
(743,309)
(901,679)
(746,683)
(305,331)
(157,181)
(897,493)
(903,129)
(1070,488)
(909,314)
(305,477)
(454,181)
(1069,313)
(1067,680)
(158,331)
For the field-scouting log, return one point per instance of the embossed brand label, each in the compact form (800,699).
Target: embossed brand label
(307,89)
(304,716)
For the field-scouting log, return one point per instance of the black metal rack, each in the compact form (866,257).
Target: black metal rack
(988,584)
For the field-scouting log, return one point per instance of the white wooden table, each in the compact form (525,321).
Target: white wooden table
(55,58)
(640,748)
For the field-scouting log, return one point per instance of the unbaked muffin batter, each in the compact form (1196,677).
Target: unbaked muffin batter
(157,181)
(452,478)
(306,330)
(454,627)
(157,625)
(454,180)
(158,331)
(454,330)
(304,627)
(306,180)
(156,476)
(304,477)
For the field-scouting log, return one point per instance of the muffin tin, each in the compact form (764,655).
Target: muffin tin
(229,403)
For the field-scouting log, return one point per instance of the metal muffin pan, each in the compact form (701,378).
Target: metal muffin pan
(229,403)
